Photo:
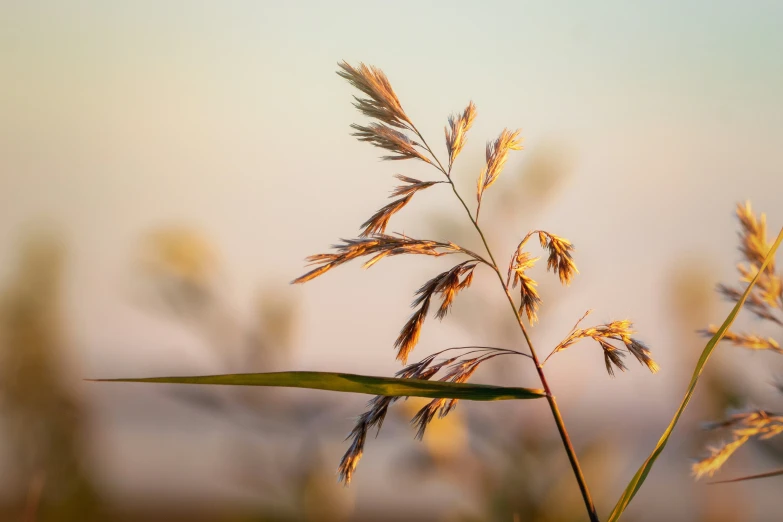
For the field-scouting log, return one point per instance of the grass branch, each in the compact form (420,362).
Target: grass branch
(561,428)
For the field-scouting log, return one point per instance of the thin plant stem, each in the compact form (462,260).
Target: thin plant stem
(561,428)
(569,335)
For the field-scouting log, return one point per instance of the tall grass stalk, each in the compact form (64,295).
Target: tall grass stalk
(442,376)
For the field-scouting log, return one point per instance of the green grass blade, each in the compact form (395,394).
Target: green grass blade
(641,475)
(347,382)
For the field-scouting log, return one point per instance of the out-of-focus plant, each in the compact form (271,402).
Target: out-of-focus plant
(766,257)
(44,418)
(766,303)
(690,306)
(181,268)
(181,276)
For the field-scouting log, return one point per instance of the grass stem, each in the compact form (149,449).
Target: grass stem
(561,428)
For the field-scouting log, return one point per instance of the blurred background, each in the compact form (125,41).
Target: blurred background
(166,166)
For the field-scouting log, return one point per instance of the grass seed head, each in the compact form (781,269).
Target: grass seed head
(381,102)
(456,132)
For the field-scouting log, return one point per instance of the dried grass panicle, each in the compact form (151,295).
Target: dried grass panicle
(718,456)
(353,455)
(393,131)
(496,156)
(520,263)
(379,246)
(749,341)
(756,422)
(425,369)
(413,185)
(380,220)
(456,131)
(744,426)
(560,260)
(613,358)
(381,102)
(529,298)
(642,353)
(614,331)
(389,139)
(447,284)
(458,278)
(425,415)
(769,287)
(754,303)
(765,301)
(459,369)
(409,335)
(461,372)
(372,418)
(754,246)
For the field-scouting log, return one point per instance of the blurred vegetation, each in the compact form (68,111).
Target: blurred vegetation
(181,272)
(44,420)
(45,423)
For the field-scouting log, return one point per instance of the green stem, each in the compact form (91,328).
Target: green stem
(561,428)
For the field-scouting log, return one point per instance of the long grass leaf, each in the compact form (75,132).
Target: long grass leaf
(347,382)
(638,479)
